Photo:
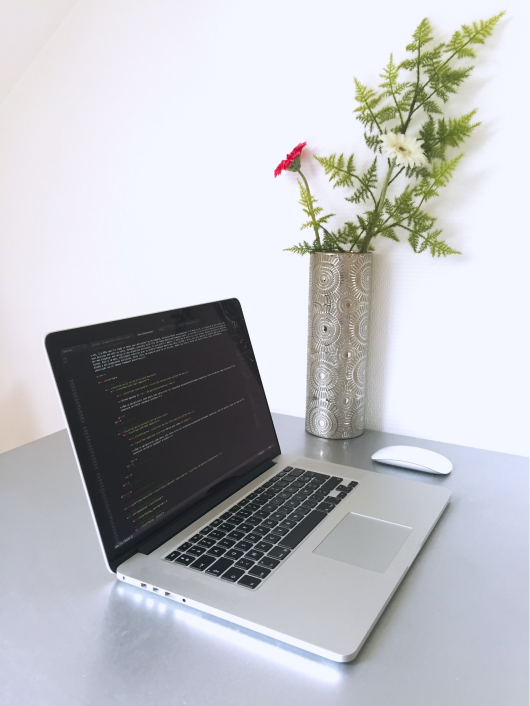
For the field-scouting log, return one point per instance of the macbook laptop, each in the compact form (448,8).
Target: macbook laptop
(193,499)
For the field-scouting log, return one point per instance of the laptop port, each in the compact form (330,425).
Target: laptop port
(167,593)
(143,585)
(155,589)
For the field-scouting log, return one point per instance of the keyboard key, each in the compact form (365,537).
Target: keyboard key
(263,546)
(237,519)
(318,476)
(305,491)
(253,521)
(325,507)
(254,555)
(260,571)
(286,494)
(236,534)
(184,547)
(220,566)
(281,484)
(269,523)
(343,489)
(196,551)
(226,515)
(253,537)
(202,563)
(213,525)
(249,581)
(216,534)
(279,553)
(272,538)
(232,575)
(226,543)
(352,484)
(341,496)
(260,530)
(245,564)
(253,507)
(227,527)
(185,559)
(296,472)
(172,556)
(331,484)
(244,513)
(282,531)
(206,542)
(334,501)
(216,551)
(288,523)
(286,470)
(262,514)
(297,484)
(245,546)
(297,516)
(245,527)
(301,531)
(278,516)
(234,554)
(195,538)
(268,562)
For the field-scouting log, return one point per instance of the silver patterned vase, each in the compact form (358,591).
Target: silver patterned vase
(339,306)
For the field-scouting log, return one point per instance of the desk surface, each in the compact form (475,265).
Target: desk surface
(455,633)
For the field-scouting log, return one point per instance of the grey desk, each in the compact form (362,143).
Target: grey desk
(455,633)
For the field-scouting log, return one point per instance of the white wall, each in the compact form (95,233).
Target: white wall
(136,174)
(25,27)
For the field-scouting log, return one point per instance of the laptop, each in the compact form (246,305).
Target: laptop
(194,501)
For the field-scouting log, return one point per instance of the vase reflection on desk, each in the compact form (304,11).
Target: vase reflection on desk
(339,308)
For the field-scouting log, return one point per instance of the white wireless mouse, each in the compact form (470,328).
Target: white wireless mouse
(415,458)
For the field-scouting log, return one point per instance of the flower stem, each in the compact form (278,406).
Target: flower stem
(370,234)
(311,212)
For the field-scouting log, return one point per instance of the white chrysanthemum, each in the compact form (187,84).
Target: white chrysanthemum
(407,150)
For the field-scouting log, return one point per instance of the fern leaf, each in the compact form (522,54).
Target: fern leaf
(462,40)
(367,183)
(340,169)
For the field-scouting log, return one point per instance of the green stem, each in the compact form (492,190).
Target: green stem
(441,67)
(411,111)
(370,234)
(311,211)
(396,176)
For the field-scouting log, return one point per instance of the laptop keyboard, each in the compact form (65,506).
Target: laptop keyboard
(248,542)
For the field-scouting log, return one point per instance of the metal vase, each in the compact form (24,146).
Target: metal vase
(339,306)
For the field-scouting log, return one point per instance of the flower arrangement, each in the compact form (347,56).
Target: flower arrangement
(435,72)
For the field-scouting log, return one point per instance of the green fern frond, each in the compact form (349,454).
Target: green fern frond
(341,169)
(462,40)
(422,36)
(367,184)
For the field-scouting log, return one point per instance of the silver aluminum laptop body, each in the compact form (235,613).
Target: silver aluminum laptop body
(327,594)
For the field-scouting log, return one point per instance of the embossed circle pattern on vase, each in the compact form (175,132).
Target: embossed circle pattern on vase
(337,344)
(326,330)
(321,420)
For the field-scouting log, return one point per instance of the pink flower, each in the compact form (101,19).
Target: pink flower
(287,162)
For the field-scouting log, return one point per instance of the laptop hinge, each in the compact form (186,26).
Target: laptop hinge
(201,509)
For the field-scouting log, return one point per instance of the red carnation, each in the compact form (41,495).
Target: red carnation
(287,162)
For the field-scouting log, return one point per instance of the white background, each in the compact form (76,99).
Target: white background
(137,147)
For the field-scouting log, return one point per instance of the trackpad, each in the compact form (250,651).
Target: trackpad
(364,541)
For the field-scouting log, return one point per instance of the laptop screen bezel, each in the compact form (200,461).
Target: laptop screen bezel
(148,541)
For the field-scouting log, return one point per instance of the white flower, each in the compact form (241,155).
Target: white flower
(407,150)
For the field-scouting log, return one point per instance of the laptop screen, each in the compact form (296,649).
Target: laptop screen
(162,409)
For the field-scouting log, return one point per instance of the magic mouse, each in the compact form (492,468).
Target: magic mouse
(413,457)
